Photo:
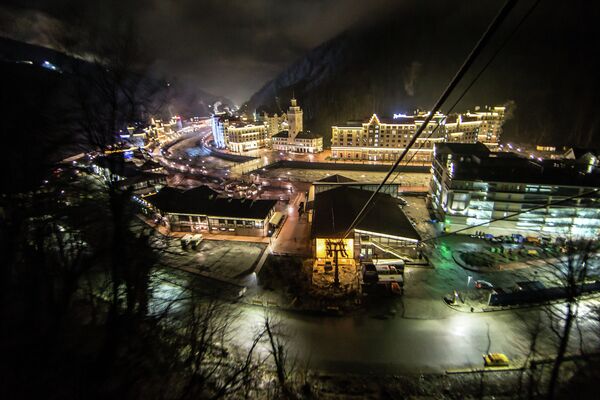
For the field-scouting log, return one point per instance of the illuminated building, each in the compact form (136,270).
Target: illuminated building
(384,229)
(295,139)
(335,181)
(384,139)
(162,130)
(470,185)
(201,209)
(218,130)
(237,134)
(244,137)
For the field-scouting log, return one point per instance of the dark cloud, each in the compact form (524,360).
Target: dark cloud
(228,47)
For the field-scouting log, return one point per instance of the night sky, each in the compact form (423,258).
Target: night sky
(230,48)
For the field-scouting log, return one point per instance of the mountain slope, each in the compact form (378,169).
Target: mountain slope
(547,71)
(182,98)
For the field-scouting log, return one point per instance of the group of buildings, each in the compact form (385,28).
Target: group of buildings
(474,187)
(278,132)
(384,139)
(502,193)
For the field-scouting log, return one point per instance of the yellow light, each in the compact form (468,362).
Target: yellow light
(348,245)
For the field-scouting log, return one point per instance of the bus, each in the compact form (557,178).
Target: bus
(274,222)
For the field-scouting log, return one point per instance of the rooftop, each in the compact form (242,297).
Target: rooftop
(462,148)
(300,135)
(335,179)
(203,200)
(117,165)
(141,177)
(336,209)
(477,163)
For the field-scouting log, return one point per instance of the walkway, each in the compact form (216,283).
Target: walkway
(294,237)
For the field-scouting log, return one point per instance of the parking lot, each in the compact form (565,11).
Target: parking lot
(225,260)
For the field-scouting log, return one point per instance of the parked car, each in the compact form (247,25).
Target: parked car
(480,284)
(369,273)
(495,360)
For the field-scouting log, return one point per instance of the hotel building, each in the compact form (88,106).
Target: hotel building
(384,139)
(244,137)
(238,135)
(470,185)
(295,139)
(281,133)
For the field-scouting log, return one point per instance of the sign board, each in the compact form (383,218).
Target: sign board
(327,247)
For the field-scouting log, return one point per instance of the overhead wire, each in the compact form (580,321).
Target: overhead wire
(484,39)
(464,92)
(512,215)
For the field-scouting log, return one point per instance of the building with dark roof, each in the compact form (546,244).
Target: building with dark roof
(201,209)
(335,181)
(383,227)
(143,183)
(304,142)
(471,186)
(384,139)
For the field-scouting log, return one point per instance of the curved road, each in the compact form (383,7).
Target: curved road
(364,343)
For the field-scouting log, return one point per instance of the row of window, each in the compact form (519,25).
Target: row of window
(200,219)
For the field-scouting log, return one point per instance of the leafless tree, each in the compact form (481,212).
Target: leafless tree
(279,349)
(569,273)
(529,376)
(214,368)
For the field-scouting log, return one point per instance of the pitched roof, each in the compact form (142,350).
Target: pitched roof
(282,134)
(336,179)
(307,135)
(204,201)
(142,177)
(579,152)
(149,165)
(334,211)
(462,148)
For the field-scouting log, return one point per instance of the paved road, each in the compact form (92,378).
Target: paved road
(366,344)
(370,343)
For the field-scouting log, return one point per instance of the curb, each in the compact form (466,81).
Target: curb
(519,307)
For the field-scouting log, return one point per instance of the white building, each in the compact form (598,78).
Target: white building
(244,137)
(471,186)
(384,139)
(295,139)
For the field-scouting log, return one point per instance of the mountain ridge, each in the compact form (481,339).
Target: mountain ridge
(388,68)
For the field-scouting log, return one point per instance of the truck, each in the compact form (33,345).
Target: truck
(185,240)
(195,240)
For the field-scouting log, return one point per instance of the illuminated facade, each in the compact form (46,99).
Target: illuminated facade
(471,185)
(384,229)
(383,139)
(202,210)
(245,137)
(280,132)
(162,130)
(237,134)
(295,139)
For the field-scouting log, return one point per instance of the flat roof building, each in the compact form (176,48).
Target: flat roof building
(471,186)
